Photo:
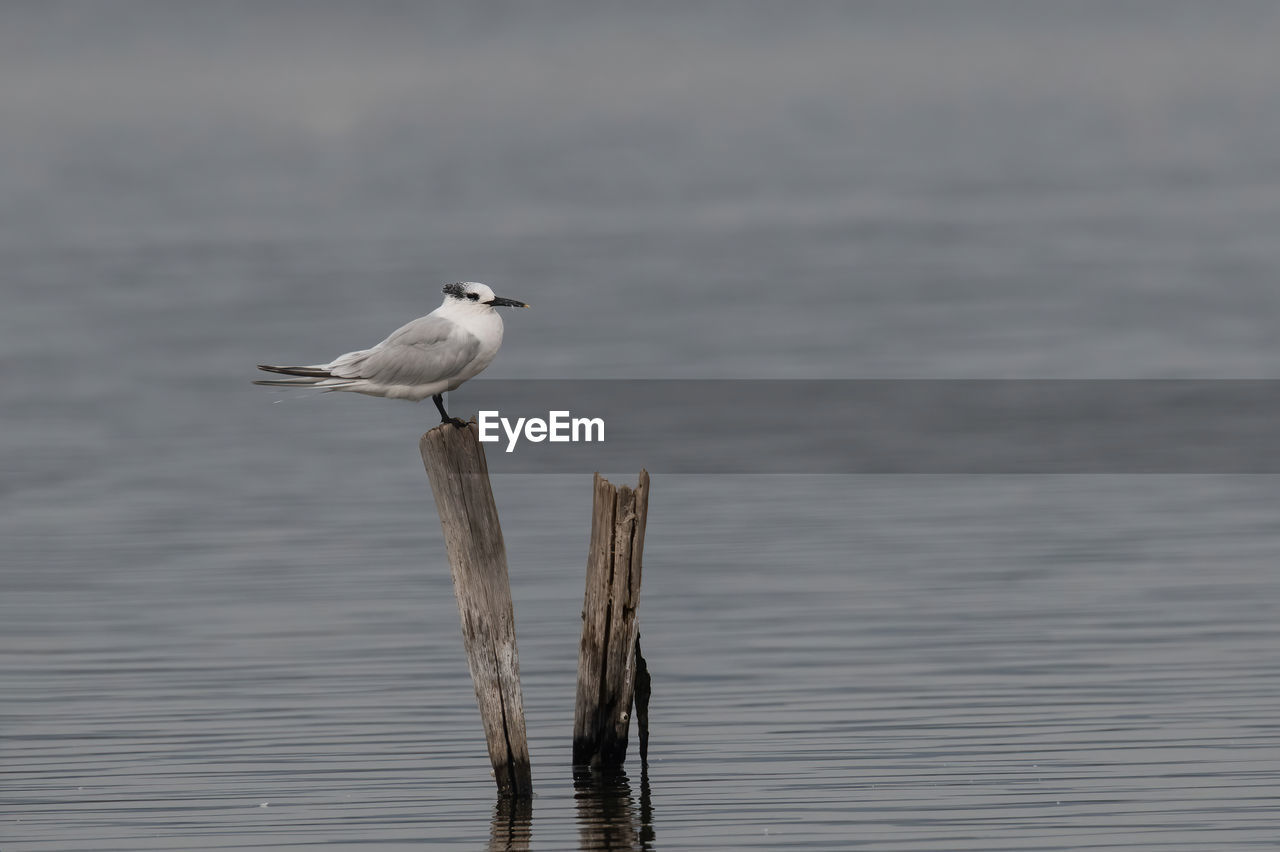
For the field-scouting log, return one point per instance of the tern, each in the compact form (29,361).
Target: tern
(425,358)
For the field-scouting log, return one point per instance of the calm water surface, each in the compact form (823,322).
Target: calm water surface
(226,620)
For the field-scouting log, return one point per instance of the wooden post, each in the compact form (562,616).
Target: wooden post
(459,476)
(607,656)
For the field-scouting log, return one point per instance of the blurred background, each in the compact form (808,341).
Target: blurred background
(227,621)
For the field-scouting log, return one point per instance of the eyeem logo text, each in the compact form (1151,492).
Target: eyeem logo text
(559,427)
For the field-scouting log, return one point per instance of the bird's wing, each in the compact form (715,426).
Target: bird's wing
(426,350)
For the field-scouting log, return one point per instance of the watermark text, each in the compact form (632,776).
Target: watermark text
(559,427)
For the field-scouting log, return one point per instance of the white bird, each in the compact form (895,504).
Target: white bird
(425,358)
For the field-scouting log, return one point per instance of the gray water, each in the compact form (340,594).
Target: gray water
(226,618)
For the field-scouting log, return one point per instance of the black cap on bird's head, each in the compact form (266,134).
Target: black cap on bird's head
(474,291)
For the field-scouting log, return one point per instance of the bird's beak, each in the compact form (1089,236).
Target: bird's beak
(499,302)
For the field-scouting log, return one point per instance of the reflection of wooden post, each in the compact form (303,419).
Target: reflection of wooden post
(608,817)
(607,657)
(459,477)
(511,827)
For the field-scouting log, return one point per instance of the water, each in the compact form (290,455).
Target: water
(228,621)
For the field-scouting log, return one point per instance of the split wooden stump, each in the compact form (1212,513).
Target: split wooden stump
(459,476)
(612,675)
(611,672)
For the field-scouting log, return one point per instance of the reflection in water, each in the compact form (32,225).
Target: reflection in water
(510,829)
(608,818)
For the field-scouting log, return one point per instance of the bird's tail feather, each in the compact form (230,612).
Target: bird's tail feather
(314,371)
(289,383)
(315,376)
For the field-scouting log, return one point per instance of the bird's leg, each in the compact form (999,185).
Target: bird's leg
(438,399)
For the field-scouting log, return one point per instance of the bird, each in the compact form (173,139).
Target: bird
(424,358)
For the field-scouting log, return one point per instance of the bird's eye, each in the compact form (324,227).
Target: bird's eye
(475,297)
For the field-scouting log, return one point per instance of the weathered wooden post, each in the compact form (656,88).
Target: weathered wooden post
(609,655)
(459,476)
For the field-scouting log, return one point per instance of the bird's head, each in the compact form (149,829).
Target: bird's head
(468,293)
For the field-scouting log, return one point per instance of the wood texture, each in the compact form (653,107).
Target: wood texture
(610,624)
(459,476)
